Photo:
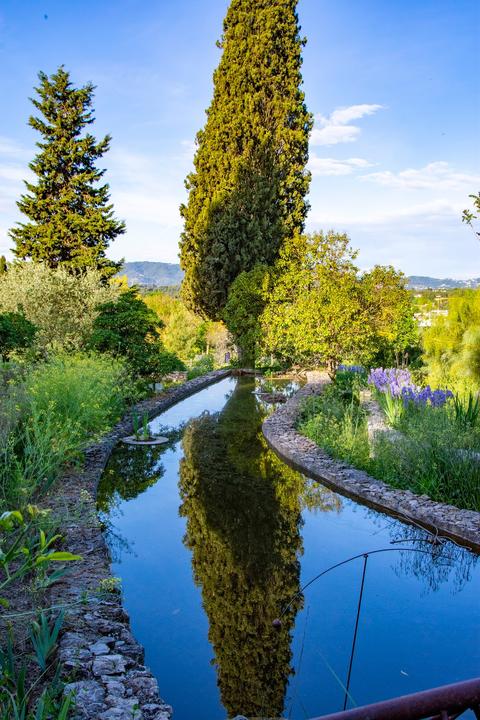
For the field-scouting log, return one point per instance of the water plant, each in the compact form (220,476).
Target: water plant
(145,429)
(136,425)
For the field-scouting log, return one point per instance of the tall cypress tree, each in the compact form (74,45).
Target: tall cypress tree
(71,219)
(247,193)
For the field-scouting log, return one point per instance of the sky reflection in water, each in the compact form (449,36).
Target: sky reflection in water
(213,536)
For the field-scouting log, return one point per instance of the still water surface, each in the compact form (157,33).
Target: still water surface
(213,536)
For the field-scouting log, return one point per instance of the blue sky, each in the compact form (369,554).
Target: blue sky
(393,86)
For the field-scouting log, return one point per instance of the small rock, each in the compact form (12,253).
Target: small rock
(99,648)
(109,665)
(144,686)
(89,698)
(114,687)
(116,713)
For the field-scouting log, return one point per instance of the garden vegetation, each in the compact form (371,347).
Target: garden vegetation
(431,446)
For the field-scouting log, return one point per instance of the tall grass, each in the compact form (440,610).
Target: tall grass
(50,415)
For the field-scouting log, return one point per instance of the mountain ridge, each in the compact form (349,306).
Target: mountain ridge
(153,274)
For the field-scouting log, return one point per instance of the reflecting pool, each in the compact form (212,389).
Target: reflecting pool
(214,537)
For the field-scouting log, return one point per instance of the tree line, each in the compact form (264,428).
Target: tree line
(283,295)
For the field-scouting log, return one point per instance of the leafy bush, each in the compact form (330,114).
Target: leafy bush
(452,343)
(16,333)
(349,381)
(129,329)
(245,304)
(203,366)
(52,414)
(62,306)
(185,334)
(182,331)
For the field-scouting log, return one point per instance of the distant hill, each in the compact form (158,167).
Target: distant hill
(152,274)
(419,282)
(160,274)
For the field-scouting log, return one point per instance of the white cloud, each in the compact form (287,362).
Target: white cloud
(335,128)
(146,191)
(418,214)
(332,166)
(434,176)
(9,147)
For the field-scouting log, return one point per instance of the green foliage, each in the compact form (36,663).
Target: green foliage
(202,366)
(62,306)
(467,410)
(452,343)
(247,192)
(71,222)
(431,457)
(433,453)
(183,332)
(25,553)
(3,265)
(16,333)
(245,304)
(337,424)
(469,217)
(24,549)
(44,635)
(129,329)
(47,418)
(393,407)
(20,700)
(391,309)
(321,311)
(348,384)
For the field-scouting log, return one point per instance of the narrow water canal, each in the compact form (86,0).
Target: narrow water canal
(212,536)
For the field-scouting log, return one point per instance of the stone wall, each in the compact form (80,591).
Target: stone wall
(304,455)
(102,661)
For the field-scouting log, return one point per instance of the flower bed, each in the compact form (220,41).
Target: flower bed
(433,450)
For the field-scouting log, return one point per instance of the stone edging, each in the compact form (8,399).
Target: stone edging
(97,650)
(304,455)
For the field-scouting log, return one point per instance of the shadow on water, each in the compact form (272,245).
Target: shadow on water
(255,532)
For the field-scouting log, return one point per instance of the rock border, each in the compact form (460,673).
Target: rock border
(102,662)
(279,429)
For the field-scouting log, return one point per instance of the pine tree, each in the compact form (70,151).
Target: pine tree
(3,265)
(247,193)
(71,220)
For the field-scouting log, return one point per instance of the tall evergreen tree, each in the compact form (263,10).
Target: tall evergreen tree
(71,221)
(247,193)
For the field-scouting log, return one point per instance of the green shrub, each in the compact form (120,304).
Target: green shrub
(129,329)
(59,407)
(203,366)
(16,333)
(62,306)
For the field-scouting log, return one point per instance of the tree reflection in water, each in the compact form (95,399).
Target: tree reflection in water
(243,508)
